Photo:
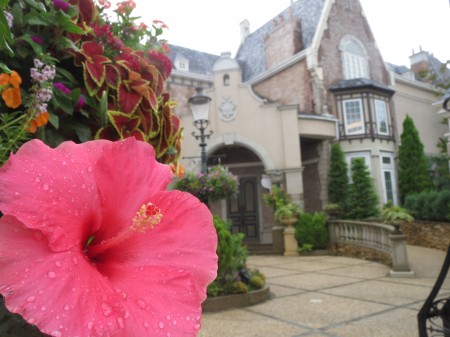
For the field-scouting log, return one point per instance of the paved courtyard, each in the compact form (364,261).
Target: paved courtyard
(333,297)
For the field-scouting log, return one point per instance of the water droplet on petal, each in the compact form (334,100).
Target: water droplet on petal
(56,333)
(45,187)
(43,308)
(31,320)
(75,260)
(51,274)
(31,299)
(120,322)
(141,303)
(90,325)
(58,264)
(37,180)
(66,308)
(106,309)
(161,325)
(197,326)
(89,169)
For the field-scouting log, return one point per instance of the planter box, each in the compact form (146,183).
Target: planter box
(220,303)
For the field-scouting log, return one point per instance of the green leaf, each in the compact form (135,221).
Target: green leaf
(82,131)
(64,43)
(36,47)
(3,3)
(66,74)
(35,19)
(54,120)
(72,28)
(63,101)
(37,5)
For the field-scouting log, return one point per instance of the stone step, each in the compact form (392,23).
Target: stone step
(255,248)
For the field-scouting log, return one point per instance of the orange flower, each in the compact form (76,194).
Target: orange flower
(40,120)
(15,79)
(11,95)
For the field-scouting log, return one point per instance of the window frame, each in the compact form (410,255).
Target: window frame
(361,113)
(354,64)
(386,116)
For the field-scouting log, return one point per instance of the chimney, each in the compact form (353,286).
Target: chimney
(245,30)
(420,64)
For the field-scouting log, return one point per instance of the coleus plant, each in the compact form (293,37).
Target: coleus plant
(110,74)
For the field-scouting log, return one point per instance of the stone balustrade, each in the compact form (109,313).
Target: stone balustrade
(376,241)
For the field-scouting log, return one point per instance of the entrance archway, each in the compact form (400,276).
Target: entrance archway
(246,210)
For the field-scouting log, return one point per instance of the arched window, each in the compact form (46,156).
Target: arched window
(226,80)
(354,58)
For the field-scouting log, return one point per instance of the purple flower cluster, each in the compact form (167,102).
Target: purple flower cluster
(62,87)
(42,75)
(42,72)
(60,5)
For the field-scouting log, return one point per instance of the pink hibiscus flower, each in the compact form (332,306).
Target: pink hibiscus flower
(91,244)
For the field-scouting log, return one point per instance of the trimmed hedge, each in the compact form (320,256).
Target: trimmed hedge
(434,206)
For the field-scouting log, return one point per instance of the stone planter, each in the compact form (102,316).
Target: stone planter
(219,303)
(290,243)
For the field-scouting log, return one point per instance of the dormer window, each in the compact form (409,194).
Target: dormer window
(226,80)
(354,58)
(181,63)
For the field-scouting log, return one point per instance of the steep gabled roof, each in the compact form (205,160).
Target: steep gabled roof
(251,53)
(199,62)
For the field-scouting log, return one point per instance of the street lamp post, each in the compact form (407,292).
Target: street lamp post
(199,104)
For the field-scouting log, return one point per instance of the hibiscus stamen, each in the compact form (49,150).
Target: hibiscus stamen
(147,217)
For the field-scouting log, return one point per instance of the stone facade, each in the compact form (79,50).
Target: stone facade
(427,234)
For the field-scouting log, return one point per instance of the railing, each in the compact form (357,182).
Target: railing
(380,237)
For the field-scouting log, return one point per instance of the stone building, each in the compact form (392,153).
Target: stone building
(311,76)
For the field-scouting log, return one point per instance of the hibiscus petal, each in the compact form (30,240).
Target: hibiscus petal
(185,240)
(166,270)
(127,175)
(60,292)
(64,203)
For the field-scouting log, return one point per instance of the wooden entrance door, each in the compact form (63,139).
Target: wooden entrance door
(243,209)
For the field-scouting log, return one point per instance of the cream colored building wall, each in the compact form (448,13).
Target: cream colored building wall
(417,100)
(374,150)
(260,127)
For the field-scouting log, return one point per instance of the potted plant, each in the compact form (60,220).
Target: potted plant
(288,214)
(396,215)
(333,210)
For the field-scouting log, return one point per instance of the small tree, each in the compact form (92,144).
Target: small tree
(362,198)
(413,174)
(337,176)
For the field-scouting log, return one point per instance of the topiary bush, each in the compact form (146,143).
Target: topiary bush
(311,231)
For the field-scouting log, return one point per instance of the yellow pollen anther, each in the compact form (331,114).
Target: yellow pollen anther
(147,217)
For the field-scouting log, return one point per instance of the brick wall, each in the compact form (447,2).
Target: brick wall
(291,86)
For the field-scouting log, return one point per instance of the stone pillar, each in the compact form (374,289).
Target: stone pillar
(400,263)
(290,243)
(278,239)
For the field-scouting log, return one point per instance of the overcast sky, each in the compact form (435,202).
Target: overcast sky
(212,26)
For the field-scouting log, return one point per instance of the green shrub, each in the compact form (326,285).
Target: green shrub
(337,176)
(413,165)
(239,287)
(256,282)
(311,229)
(429,205)
(362,199)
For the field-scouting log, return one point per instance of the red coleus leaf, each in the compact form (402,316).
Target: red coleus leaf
(91,86)
(124,124)
(128,100)
(87,10)
(112,76)
(108,132)
(94,63)
(150,122)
